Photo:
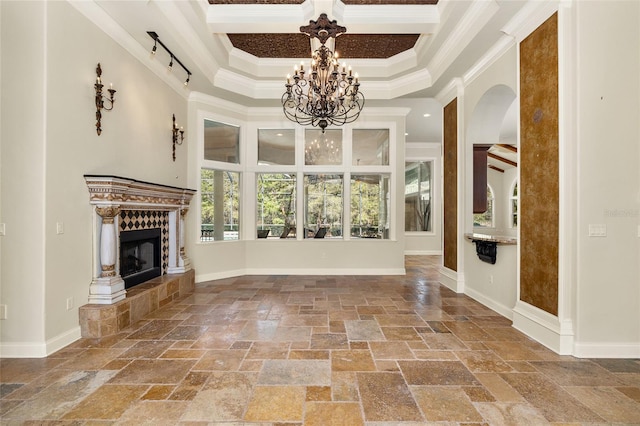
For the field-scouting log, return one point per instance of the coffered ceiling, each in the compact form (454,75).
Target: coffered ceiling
(405,51)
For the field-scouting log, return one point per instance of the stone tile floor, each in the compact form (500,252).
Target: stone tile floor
(320,350)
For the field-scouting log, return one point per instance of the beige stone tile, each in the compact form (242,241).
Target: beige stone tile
(443,373)
(223,398)
(391,350)
(556,404)
(276,404)
(318,393)
(386,397)
(445,404)
(154,371)
(153,413)
(333,414)
(295,372)
(608,403)
(218,359)
(516,414)
(107,402)
(355,360)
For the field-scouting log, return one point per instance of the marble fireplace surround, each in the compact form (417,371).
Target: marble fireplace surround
(119,201)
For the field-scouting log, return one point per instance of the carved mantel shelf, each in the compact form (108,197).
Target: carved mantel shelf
(112,194)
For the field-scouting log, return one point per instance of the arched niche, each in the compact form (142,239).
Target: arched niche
(492,132)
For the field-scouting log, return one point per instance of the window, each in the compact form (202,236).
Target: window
(370,206)
(220,219)
(276,215)
(514,206)
(485,220)
(418,196)
(221,142)
(370,147)
(323,205)
(322,149)
(276,147)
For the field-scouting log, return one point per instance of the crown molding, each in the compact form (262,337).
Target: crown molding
(532,15)
(474,19)
(218,103)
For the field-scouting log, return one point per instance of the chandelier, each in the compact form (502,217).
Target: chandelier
(326,94)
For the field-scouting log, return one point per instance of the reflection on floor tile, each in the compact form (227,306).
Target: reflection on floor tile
(320,350)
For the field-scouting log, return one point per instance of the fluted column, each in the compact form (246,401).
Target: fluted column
(108,287)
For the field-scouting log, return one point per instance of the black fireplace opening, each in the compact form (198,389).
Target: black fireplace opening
(140,256)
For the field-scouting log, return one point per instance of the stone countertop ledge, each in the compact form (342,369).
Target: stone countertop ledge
(491,238)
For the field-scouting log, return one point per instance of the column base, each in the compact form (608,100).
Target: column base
(107,290)
(184,265)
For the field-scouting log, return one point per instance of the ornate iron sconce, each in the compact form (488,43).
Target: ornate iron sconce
(177,140)
(100,99)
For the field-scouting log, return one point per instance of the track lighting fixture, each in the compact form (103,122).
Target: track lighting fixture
(156,41)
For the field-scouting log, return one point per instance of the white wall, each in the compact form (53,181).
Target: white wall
(494,285)
(49,142)
(608,120)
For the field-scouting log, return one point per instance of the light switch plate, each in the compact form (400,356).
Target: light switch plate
(60,228)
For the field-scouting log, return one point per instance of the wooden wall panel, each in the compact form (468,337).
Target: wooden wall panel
(450,185)
(539,167)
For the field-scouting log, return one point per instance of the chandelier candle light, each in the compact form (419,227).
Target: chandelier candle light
(328,94)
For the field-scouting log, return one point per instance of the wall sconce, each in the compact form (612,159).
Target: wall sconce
(156,41)
(100,99)
(177,140)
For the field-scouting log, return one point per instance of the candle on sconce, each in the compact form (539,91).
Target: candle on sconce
(288,79)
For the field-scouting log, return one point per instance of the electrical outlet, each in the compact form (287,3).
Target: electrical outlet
(490,279)
(69,303)
(3,312)
(2,228)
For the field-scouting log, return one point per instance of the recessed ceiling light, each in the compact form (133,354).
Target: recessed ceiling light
(278,134)
(406,134)
(427,115)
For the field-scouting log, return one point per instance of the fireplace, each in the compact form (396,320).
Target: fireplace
(140,256)
(124,206)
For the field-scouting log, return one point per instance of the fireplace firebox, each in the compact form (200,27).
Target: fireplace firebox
(140,254)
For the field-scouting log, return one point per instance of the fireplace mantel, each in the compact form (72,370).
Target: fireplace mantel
(112,194)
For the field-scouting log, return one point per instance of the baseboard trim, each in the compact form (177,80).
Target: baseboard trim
(451,279)
(39,349)
(490,303)
(324,271)
(423,252)
(219,275)
(607,350)
(302,271)
(543,327)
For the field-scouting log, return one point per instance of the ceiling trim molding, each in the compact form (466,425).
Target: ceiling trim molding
(454,89)
(287,18)
(213,101)
(94,13)
(473,21)
(493,54)
(532,15)
(201,55)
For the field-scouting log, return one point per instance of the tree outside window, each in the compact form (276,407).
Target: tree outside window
(276,208)
(220,201)
(418,196)
(486,219)
(323,205)
(370,206)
